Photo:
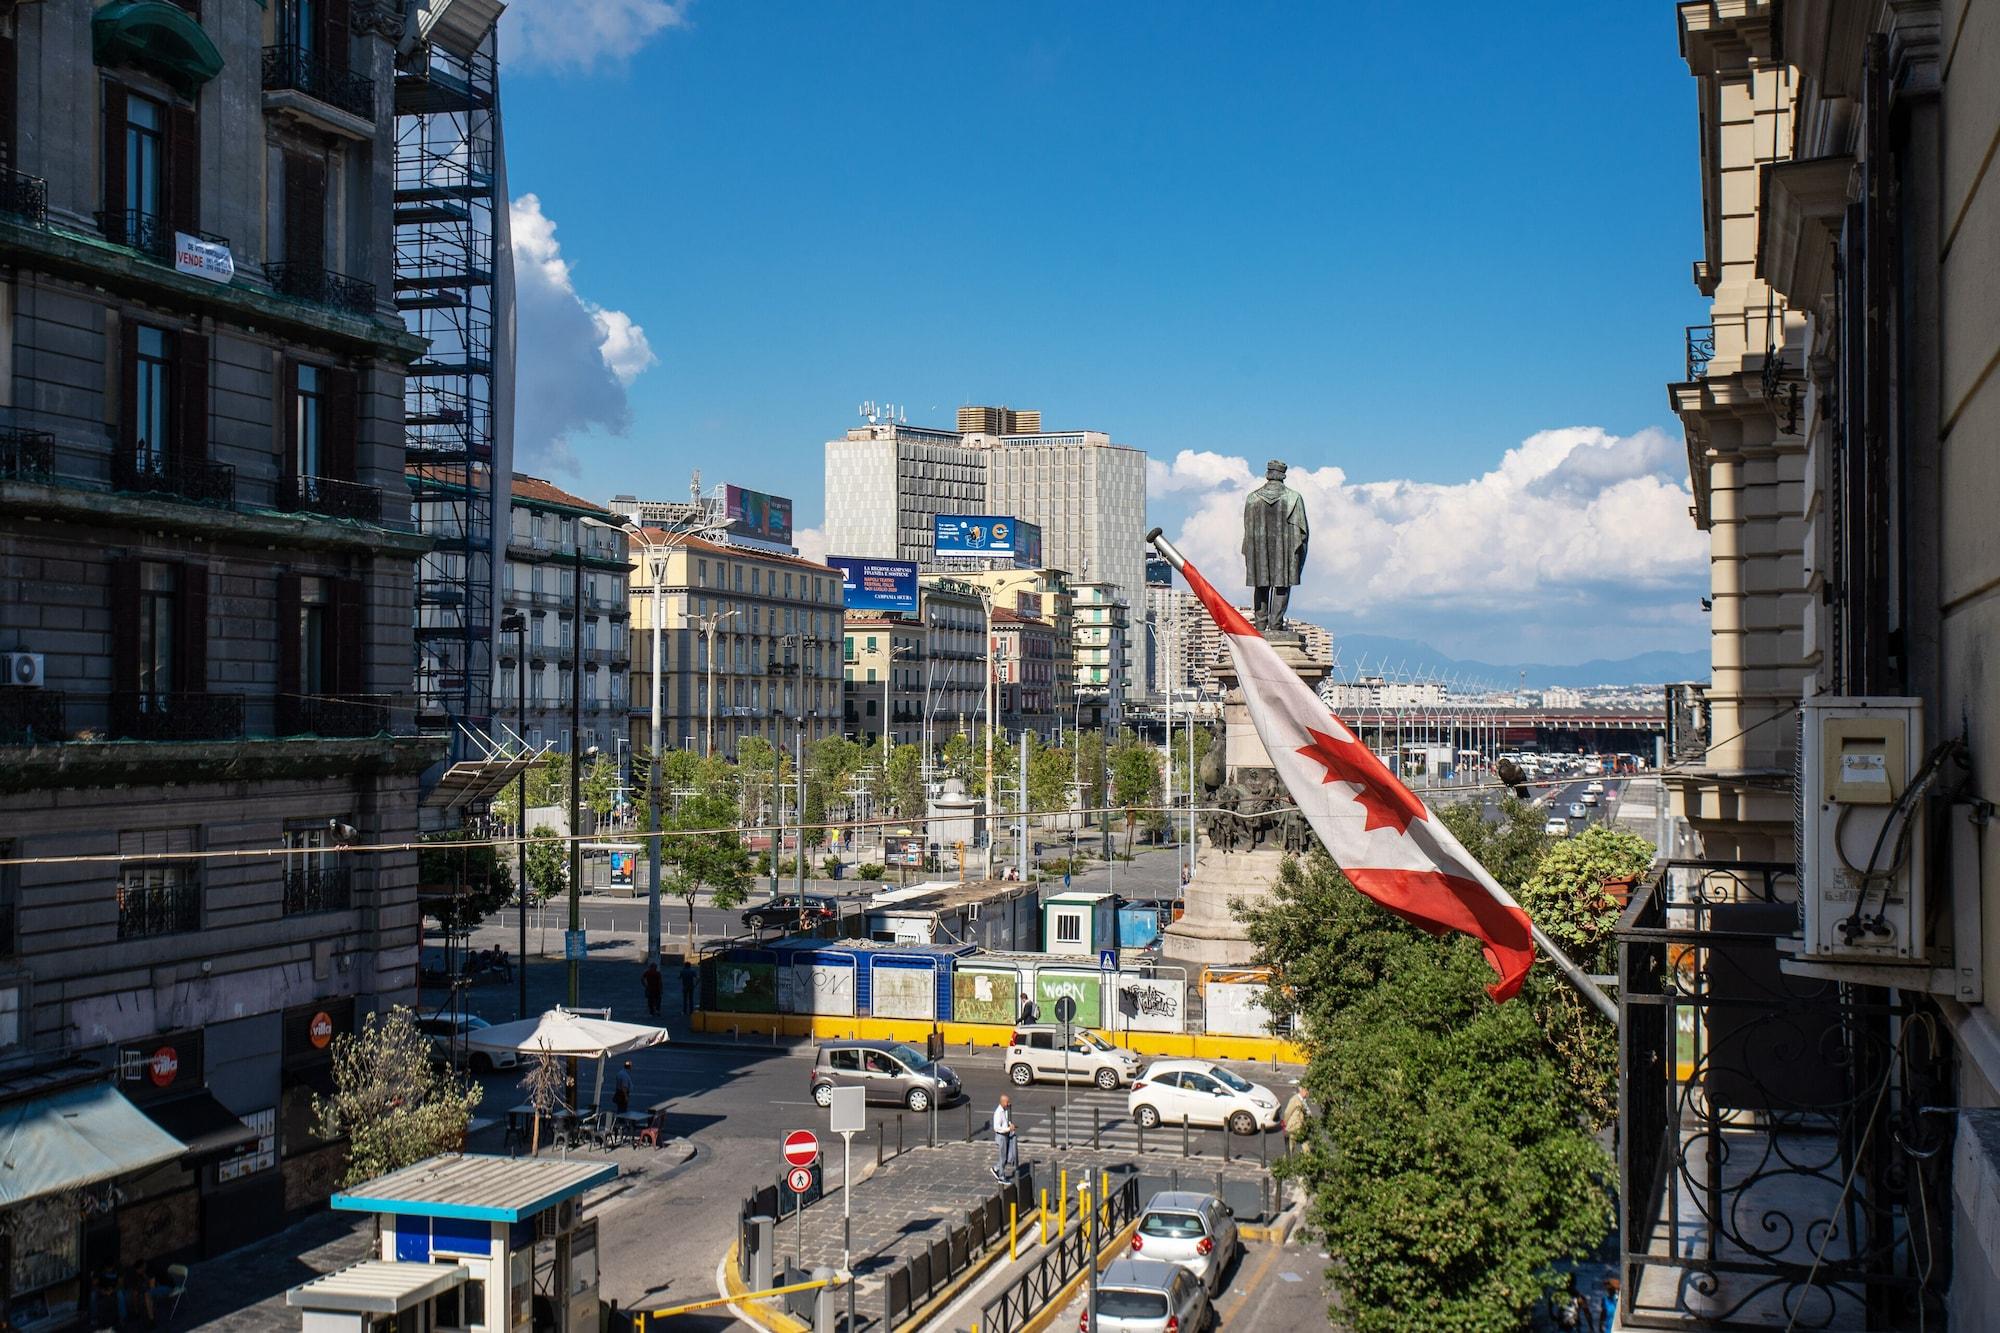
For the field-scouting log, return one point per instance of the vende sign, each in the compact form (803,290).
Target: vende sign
(203,259)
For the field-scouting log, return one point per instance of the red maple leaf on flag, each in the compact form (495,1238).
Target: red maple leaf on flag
(1388,802)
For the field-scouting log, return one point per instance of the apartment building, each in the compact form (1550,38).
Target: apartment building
(749,644)
(1087,494)
(206,564)
(954,617)
(887,481)
(1024,673)
(1046,595)
(882,663)
(1102,631)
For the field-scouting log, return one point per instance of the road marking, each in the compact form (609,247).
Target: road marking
(1257,1279)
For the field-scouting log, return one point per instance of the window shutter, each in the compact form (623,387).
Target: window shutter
(125,624)
(288,403)
(183,168)
(128,388)
(191,670)
(343,393)
(7,94)
(305,210)
(334,34)
(290,676)
(114,151)
(190,396)
(349,649)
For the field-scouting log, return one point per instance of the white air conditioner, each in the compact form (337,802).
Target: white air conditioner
(23,669)
(1859,839)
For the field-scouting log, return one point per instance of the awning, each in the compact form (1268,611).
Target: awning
(376,1286)
(205,1125)
(74,1138)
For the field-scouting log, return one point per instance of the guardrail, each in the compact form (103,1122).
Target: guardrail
(912,1286)
(1042,1283)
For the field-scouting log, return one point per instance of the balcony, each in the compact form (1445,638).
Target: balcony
(30,717)
(296,69)
(148,233)
(171,907)
(330,498)
(318,889)
(25,197)
(1700,349)
(334,715)
(177,717)
(321,286)
(27,455)
(1687,723)
(182,478)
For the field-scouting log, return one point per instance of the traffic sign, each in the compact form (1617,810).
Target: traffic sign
(848,1112)
(800,1178)
(575,950)
(1065,1008)
(1107,960)
(801,1148)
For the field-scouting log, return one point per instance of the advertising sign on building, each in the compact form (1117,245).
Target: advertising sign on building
(621,867)
(903,851)
(877,585)
(984,536)
(757,515)
(203,259)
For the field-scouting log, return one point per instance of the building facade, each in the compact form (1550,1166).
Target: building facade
(1046,595)
(1087,494)
(882,661)
(1024,674)
(749,644)
(1102,632)
(886,482)
(208,565)
(954,618)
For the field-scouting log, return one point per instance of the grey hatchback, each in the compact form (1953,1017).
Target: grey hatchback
(887,1071)
(1148,1296)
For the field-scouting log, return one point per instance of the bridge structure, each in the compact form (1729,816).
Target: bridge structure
(1490,731)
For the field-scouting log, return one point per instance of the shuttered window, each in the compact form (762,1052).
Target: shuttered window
(156,896)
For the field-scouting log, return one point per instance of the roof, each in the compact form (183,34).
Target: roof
(476,1186)
(1181,1201)
(376,1286)
(205,1125)
(73,1138)
(941,895)
(1078,896)
(660,536)
(537,491)
(1133,1271)
(1002,616)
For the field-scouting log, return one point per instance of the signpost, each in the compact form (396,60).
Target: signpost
(801,1148)
(1107,966)
(800,1178)
(847,1116)
(801,1151)
(1065,1015)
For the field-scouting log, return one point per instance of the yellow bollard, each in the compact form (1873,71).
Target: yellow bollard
(1013,1232)
(1045,1214)
(1062,1205)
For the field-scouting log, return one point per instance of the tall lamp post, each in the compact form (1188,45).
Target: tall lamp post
(656,562)
(513,622)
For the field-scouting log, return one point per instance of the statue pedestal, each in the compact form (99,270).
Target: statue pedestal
(1209,935)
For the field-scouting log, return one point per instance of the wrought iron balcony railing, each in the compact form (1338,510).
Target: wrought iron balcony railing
(148,233)
(334,499)
(27,455)
(182,478)
(322,286)
(295,67)
(177,716)
(25,196)
(318,889)
(334,715)
(31,717)
(1700,349)
(155,907)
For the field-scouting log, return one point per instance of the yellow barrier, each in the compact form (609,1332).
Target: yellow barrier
(1178,1045)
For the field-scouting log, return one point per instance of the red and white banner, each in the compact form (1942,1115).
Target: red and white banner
(1387,842)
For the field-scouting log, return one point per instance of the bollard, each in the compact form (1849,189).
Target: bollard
(1264,1151)
(930,1128)
(1045,1214)
(1096,1127)
(1142,1136)
(1062,1204)
(968,1119)
(822,1320)
(1052,1127)
(762,1237)
(736,1032)
(899,1133)
(1184,1138)
(881,1129)
(1013,1232)
(1227,1145)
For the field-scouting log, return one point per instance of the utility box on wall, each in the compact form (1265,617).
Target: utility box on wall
(1859,831)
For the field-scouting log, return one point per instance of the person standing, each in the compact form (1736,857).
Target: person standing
(1006,1161)
(689,976)
(1294,1120)
(650,980)
(621,1090)
(1608,1321)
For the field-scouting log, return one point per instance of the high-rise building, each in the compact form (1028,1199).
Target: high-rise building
(206,565)
(885,483)
(1088,496)
(1103,653)
(998,421)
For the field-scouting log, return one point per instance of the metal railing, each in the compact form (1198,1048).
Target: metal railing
(1039,1285)
(27,455)
(31,717)
(295,67)
(25,196)
(182,478)
(169,908)
(177,716)
(331,497)
(334,715)
(907,1288)
(322,286)
(148,233)
(318,889)
(1700,349)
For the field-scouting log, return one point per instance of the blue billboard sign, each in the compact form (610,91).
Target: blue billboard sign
(876,585)
(987,537)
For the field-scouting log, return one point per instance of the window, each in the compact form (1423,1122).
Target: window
(311,629)
(10,898)
(150,409)
(145,138)
(158,628)
(846,1060)
(299,24)
(157,896)
(315,881)
(308,420)
(1069,927)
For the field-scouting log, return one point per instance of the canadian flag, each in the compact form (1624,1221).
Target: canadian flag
(1387,842)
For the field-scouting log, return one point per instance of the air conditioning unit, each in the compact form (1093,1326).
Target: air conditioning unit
(1859,835)
(23,669)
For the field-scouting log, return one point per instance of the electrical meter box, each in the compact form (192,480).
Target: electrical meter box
(1860,843)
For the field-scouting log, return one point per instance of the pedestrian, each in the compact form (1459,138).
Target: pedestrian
(621,1089)
(1029,1012)
(689,976)
(650,980)
(1006,1161)
(1608,1323)
(1572,1310)
(1294,1120)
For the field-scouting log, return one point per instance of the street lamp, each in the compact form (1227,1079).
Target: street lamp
(513,622)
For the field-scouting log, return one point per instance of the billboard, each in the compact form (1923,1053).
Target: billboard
(757,515)
(877,585)
(902,851)
(1159,574)
(988,537)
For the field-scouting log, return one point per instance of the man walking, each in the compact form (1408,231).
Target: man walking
(689,976)
(650,980)
(1007,1162)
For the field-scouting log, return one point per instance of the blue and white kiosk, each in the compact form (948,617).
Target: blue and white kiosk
(514,1226)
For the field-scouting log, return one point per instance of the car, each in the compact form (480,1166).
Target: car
(1199,1092)
(1591,798)
(791,911)
(1595,789)
(1035,1051)
(1556,828)
(447,1034)
(886,1071)
(1139,1295)
(1192,1229)
(1578,810)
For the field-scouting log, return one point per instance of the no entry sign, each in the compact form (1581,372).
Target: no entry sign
(801,1148)
(800,1178)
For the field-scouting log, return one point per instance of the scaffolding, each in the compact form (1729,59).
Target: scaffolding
(447,200)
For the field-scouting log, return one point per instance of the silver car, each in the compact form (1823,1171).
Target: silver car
(1196,1231)
(886,1071)
(1148,1296)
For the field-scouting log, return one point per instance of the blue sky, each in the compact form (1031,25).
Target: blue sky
(1398,245)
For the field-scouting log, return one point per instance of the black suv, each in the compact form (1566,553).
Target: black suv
(790,911)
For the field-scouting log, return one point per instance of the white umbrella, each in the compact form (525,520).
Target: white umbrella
(564,1032)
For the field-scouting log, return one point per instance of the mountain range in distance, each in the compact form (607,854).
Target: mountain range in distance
(1409,657)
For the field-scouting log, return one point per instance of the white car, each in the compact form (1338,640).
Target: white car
(1556,828)
(1595,789)
(1577,810)
(447,1033)
(1199,1092)
(1591,798)
(1035,1051)
(1194,1230)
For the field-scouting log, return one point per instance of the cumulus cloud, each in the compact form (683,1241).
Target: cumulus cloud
(575,359)
(1574,525)
(582,34)
(811,543)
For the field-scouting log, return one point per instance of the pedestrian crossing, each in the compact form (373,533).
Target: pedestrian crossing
(1098,1117)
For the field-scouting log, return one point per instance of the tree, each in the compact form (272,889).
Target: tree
(548,864)
(599,786)
(1049,771)
(461,880)
(1135,781)
(906,782)
(707,853)
(548,785)
(391,1102)
(1452,1168)
(960,759)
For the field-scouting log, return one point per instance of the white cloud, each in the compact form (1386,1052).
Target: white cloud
(811,543)
(575,358)
(581,34)
(1574,527)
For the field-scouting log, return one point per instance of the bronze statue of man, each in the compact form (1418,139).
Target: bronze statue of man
(1274,546)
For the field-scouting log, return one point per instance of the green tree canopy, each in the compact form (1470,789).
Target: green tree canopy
(461,880)
(707,853)
(392,1104)
(1135,781)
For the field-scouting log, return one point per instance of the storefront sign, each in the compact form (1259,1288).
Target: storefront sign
(321,1030)
(162,1067)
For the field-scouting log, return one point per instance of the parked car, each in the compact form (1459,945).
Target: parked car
(1035,1051)
(447,1033)
(1578,810)
(1192,1229)
(791,911)
(1197,1092)
(1136,1295)
(1556,828)
(887,1071)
